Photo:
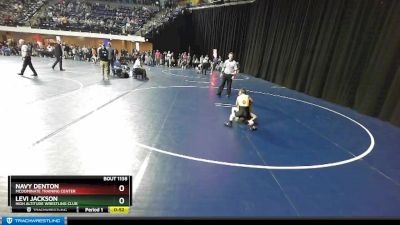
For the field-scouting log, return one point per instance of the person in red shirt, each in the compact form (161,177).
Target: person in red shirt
(158,57)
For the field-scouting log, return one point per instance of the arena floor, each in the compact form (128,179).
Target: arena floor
(308,158)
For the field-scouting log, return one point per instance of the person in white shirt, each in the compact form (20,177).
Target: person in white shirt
(26,52)
(138,69)
(243,110)
(169,58)
(49,48)
(229,70)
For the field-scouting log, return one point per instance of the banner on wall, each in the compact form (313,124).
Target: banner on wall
(38,38)
(215,53)
(137,46)
(194,2)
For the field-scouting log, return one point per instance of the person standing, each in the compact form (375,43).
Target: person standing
(168,59)
(214,64)
(58,53)
(158,57)
(205,65)
(94,55)
(26,52)
(111,57)
(184,62)
(104,63)
(229,70)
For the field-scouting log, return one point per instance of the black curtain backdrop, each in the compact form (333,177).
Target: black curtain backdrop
(222,28)
(175,36)
(344,51)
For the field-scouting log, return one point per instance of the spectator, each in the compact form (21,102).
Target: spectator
(104,62)
(111,57)
(139,70)
(58,53)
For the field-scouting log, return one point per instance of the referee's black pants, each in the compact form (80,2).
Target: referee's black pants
(58,60)
(28,62)
(226,78)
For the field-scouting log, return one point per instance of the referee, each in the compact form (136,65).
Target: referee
(58,53)
(26,52)
(229,70)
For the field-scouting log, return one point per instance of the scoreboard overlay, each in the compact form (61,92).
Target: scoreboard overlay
(70,194)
